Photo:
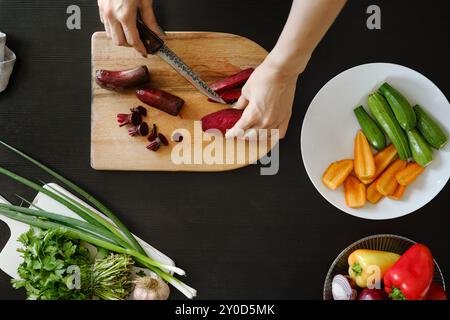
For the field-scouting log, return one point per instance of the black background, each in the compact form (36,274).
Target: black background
(239,235)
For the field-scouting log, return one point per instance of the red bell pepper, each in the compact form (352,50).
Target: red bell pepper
(436,292)
(411,276)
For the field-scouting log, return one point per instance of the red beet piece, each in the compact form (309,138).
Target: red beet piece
(139,130)
(229,96)
(123,79)
(221,120)
(133,118)
(234,81)
(161,100)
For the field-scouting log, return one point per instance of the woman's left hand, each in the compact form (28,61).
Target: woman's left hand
(267,98)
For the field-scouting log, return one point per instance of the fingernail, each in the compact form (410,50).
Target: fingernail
(161,31)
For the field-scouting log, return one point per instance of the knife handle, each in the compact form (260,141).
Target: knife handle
(151,41)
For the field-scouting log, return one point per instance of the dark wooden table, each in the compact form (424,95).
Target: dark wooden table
(238,234)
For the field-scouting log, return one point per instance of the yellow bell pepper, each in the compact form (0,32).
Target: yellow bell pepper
(362,261)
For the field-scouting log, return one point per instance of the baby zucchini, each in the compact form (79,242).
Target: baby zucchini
(421,151)
(402,108)
(383,114)
(370,128)
(430,130)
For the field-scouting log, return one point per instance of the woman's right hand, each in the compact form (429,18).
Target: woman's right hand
(119,19)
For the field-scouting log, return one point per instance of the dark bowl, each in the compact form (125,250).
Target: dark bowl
(383,242)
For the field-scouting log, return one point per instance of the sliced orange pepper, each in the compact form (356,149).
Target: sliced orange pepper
(406,176)
(355,192)
(399,192)
(387,184)
(336,173)
(382,160)
(372,193)
(364,161)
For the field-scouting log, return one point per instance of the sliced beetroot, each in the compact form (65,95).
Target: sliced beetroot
(229,96)
(231,82)
(142,111)
(139,130)
(162,138)
(134,118)
(122,79)
(153,133)
(161,100)
(221,120)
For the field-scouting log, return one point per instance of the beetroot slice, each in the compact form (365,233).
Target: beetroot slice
(234,81)
(221,120)
(229,96)
(161,100)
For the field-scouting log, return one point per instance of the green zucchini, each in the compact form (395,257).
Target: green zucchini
(430,130)
(370,128)
(421,151)
(383,114)
(403,110)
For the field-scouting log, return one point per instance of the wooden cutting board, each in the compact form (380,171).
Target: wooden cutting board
(211,55)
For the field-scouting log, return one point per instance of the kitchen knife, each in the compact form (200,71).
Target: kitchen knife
(155,45)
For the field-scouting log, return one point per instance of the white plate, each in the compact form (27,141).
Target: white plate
(329,129)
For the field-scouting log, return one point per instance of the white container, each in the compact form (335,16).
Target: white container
(7,60)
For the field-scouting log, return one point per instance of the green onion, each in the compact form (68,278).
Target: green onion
(81,235)
(91,199)
(84,212)
(67,221)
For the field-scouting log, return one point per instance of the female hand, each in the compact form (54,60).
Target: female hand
(267,98)
(119,19)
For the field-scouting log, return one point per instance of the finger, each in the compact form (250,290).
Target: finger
(245,122)
(132,36)
(241,103)
(117,34)
(107,29)
(251,134)
(100,9)
(148,16)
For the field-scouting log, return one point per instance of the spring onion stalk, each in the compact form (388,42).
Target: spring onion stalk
(87,215)
(91,199)
(112,228)
(9,213)
(67,221)
(81,235)
(30,204)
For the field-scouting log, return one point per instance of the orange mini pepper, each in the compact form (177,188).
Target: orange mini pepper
(382,160)
(355,192)
(373,196)
(336,173)
(399,192)
(387,184)
(406,176)
(364,161)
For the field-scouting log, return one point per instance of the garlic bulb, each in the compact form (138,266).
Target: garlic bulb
(150,288)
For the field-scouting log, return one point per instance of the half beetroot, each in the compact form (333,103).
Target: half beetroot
(221,120)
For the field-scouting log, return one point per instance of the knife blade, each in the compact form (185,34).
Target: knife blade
(155,45)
